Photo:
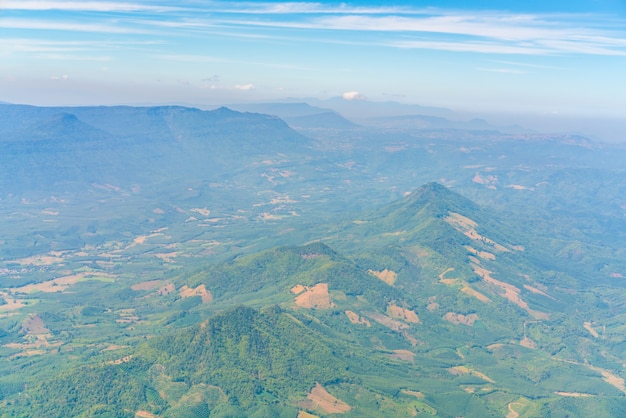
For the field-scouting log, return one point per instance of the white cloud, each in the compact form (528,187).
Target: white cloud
(65,26)
(93,6)
(244,87)
(352,95)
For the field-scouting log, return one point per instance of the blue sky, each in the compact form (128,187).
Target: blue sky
(551,57)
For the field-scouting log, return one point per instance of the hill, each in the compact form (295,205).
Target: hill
(434,311)
(496,287)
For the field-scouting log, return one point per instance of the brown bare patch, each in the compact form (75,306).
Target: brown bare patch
(303,414)
(297,289)
(418,395)
(319,398)
(387,276)
(511,292)
(148,285)
(406,315)
(315,297)
(11,303)
(356,319)
(482,254)
(387,322)
(469,291)
(167,289)
(40,260)
(494,346)
(202,211)
(489,181)
(144,414)
(461,370)
(468,228)
(62,283)
(589,328)
(432,306)
(537,291)
(404,355)
(201,291)
(460,318)
(574,394)
(120,360)
(527,342)
(34,325)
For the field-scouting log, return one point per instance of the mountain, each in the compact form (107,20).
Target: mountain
(422,306)
(124,145)
(363,109)
(169,261)
(299,115)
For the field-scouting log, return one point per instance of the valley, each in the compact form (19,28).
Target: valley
(173,262)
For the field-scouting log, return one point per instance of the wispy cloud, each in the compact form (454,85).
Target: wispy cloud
(490,32)
(91,6)
(33,24)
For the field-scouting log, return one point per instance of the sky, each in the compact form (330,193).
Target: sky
(564,58)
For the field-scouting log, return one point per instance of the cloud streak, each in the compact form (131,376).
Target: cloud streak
(85,6)
(399,27)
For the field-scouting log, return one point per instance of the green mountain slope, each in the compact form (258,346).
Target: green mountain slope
(426,308)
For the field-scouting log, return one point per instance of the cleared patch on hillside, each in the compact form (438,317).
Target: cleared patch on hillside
(456,318)
(511,293)
(468,228)
(446,280)
(10,303)
(40,260)
(482,254)
(537,291)
(589,328)
(387,276)
(34,325)
(144,414)
(201,291)
(61,284)
(147,285)
(461,370)
(202,211)
(303,414)
(418,395)
(475,293)
(404,355)
(488,181)
(357,319)
(316,297)
(167,257)
(574,394)
(320,399)
(466,287)
(297,289)
(120,360)
(386,321)
(403,314)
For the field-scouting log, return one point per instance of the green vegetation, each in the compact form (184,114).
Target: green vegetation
(269,274)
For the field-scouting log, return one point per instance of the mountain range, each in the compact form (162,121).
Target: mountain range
(176,262)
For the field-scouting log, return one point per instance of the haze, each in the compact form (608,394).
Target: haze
(565,58)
